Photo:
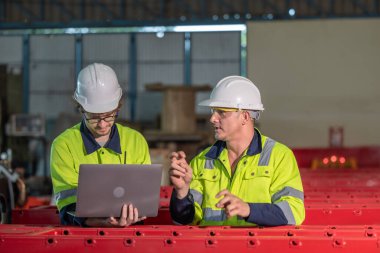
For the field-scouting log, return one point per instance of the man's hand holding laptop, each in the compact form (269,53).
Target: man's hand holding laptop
(129,215)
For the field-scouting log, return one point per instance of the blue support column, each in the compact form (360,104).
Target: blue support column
(243,53)
(132,93)
(25,73)
(78,55)
(187,59)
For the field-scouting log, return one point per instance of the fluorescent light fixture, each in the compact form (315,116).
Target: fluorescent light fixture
(209,28)
(154,29)
(77,30)
(292,12)
(159,30)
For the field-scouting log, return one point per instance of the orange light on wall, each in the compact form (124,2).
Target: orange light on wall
(334,162)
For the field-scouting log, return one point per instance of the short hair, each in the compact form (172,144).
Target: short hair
(254,114)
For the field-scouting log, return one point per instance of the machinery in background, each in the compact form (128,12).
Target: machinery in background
(9,183)
(17,183)
(31,129)
(29,125)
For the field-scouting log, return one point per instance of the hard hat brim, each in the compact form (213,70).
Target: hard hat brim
(224,104)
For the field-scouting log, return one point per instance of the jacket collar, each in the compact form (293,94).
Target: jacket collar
(91,145)
(253,149)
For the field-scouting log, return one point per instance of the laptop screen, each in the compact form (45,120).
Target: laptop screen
(104,188)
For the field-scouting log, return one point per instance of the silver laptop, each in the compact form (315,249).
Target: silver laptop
(104,188)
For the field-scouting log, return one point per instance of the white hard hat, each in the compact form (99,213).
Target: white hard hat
(235,92)
(98,90)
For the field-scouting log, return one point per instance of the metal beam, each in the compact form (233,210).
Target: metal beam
(83,9)
(3,13)
(105,8)
(27,13)
(63,9)
(42,9)
(132,92)
(144,7)
(358,4)
(123,8)
(243,53)
(31,14)
(78,55)
(312,4)
(25,73)
(187,59)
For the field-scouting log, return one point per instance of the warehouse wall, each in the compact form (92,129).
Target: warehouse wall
(215,55)
(51,74)
(158,60)
(316,74)
(11,51)
(52,66)
(112,50)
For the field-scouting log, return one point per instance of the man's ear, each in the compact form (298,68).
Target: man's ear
(246,117)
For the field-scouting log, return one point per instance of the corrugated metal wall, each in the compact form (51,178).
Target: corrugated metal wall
(11,51)
(158,60)
(112,50)
(51,74)
(52,65)
(214,55)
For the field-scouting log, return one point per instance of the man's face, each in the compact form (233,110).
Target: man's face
(100,124)
(226,123)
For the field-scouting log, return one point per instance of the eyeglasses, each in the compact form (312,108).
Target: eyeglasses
(223,112)
(96,120)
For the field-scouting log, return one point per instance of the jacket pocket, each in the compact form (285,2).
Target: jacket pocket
(256,184)
(258,171)
(209,175)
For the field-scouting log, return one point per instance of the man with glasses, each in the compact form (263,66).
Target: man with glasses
(244,178)
(95,140)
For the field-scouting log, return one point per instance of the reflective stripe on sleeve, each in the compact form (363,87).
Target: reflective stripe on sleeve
(197,196)
(284,206)
(266,152)
(65,194)
(288,191)
(213,215)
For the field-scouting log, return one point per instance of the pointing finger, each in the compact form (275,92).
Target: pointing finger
(222,193)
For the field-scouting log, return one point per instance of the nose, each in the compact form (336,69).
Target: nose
(213,117)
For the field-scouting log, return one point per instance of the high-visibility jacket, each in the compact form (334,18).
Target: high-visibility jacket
(267,172)
(70,149)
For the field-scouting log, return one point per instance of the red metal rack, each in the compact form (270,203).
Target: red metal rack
(18,238)
(342,215)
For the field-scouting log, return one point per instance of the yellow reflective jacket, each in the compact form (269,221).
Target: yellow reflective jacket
(267,173)
(68,151)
